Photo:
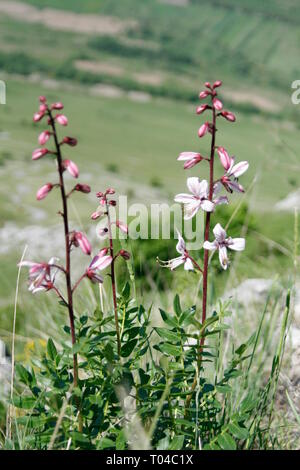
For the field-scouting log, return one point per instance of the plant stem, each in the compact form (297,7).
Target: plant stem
(113,279)
(64,214)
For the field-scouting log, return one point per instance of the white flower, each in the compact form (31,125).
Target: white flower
(41,275)
(197,199)
(182,259)
(221,243)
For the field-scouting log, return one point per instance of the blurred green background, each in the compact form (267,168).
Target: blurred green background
(129,73)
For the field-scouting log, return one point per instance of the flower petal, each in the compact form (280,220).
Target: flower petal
(194,185)
(207,205)
(188,156)
(223,257)
(239,169)
(188,265)
(210,245)
(219,233)
(175,262)
(184,198)
(191,209)
(236,244)
(180,247)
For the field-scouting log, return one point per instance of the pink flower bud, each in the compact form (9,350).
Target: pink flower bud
(43,108)
(207,84)
(228,115)
(61,119)
(110,191)
(99,194)
(43,191)
(103,252)
(224,158)
(201,109)
(190,159)
(81,240)
(42,99)
(83,188)
(44,137)
(217,84)
(203,129)
(123,227)
(204,94)
(125,254)
(112,203)
(38,116)
(71,167)
(39,153)
(70,141)
(95,215)
(57,105)
(217,104)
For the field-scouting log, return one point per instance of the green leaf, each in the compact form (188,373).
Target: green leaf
(51,349)
(168,335)
(177,306)
(24,375)
(169,349)
(126,291)
(128,347)
(226,442)
(237,431)
(176,443)
(168,319)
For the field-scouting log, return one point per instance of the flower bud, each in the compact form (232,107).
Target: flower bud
(207,84)
(201,109)
(125,254)
(71,167)
(44,137)
(112,203)
(203,129)
(42,99)
(38,116)
(228,115)
(95,215)
(70,141)
(110,191)
(57,105)
(39,153)
(83,188)
(43,108)
(43,191)
(204,94)
(103,252)
(99,194)
(79,239)
(217,104)
(61,119)
(224,158)
(217,84)
(123,227)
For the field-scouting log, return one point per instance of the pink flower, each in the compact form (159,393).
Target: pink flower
(39,153)
(110,191)
(38,116)
(41,275)
(70,141)
(82,188)
(228,115)
(44,191)
(123,227)
(71,167)
(217,84)
(95,215)
(79,239)
(42,99)
(61,119)
(229,180)
(190,158)
(204,94)
(208,85)
(221,243)
(44,137)
(57,105)
(217,104)
(99,263)
(197,199)
(43,108)
(203,129)
(202,108)
(182,259)
(225,159)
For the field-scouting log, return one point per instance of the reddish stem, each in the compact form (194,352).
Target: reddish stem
(113,280)
(64,214)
